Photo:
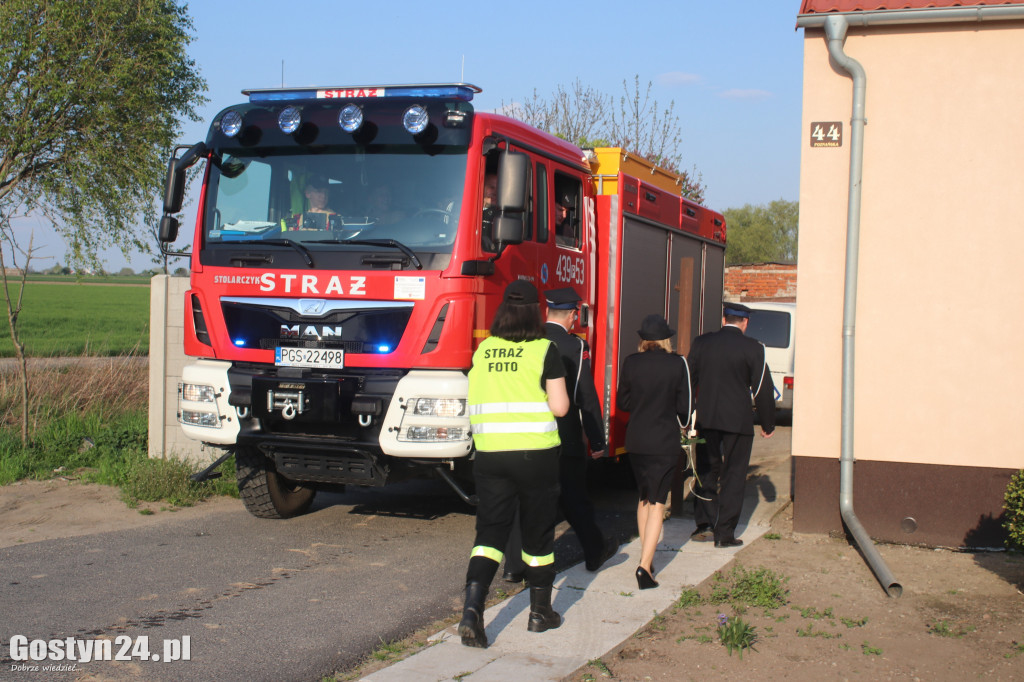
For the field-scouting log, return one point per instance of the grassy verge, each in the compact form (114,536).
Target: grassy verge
(90,422)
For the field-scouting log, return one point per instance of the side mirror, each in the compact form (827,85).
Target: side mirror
(174,188)
(168,229)
(509,229)
(513,181)
(513,195)
(174,185)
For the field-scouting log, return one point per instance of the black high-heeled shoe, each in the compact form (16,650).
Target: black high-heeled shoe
(645,580)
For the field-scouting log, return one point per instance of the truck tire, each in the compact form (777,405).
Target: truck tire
(265,493)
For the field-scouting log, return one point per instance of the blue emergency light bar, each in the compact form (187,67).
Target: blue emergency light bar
(460,91)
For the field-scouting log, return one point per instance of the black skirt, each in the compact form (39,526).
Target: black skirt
(653,475)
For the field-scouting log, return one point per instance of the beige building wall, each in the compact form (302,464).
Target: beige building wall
(939,361)
(166,360)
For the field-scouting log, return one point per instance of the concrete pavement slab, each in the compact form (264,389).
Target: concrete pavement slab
(600,610)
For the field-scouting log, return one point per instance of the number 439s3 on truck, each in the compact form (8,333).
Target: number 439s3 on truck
(351,247)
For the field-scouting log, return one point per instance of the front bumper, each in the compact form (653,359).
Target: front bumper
(363,412)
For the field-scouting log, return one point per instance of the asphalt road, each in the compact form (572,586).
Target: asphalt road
(258,599)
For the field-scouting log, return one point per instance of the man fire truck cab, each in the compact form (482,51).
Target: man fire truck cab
(350,251)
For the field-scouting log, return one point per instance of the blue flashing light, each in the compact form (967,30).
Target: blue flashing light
(240,342)
(383,348)
(280,95)
(459,91)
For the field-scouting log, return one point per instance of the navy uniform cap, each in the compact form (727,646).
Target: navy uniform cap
(735,309)
(563,299)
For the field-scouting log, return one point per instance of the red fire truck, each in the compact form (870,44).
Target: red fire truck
(351,247)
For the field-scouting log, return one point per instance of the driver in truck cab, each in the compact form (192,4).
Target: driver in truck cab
(487,218)
(317,215)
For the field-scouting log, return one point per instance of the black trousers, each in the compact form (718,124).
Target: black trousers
(505,481)
(577,509)
(722,462)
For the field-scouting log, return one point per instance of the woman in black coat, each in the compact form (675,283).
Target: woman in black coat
(654,387)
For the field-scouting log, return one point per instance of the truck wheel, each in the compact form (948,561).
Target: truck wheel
(265,493)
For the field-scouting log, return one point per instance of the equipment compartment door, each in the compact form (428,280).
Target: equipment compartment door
(643,280)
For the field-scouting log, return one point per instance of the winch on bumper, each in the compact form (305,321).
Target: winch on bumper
(363,426)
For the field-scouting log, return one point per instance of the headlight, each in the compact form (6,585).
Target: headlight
(438,407)
(231,123)
(289,119)
(351,118)
(200,418)
(435,433)
(415,119)
(198,393)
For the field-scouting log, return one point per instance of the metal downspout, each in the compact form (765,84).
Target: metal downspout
(835,33)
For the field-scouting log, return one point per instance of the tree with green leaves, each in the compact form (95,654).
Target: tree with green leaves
(92,98)
(762,234)
(589,118)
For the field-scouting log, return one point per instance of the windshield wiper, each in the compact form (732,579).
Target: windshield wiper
(306,254)
(393,243)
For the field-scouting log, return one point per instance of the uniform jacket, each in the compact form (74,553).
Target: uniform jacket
(727,368)
(584,415)
(655,388)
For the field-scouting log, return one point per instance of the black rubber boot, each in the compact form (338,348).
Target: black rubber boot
(542,616)
(471,629)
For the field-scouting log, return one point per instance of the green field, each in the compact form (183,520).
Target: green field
(67,318)
(141,280)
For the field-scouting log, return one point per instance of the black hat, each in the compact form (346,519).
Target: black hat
(655,328)
(318,181)
(562,299)
(735,309)
(521,292)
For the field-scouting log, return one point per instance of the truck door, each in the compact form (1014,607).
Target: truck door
(518,261)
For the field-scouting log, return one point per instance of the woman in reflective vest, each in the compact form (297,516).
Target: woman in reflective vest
(516,389)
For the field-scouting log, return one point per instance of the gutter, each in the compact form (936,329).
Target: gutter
(915,16)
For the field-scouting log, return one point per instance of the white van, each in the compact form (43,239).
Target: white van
(773,325)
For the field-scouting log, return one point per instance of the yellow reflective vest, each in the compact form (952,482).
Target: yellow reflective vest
(508,409)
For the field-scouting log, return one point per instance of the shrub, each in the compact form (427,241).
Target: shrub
(757,587)
(735,633)
(1013,503)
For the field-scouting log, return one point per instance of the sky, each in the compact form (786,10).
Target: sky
(733,70)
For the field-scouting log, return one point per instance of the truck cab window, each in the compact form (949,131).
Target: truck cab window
(568,191)
(490,198)
(541,203)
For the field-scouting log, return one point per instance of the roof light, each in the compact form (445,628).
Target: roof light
(351,118)
(415,119)
(289,120)
(231,123)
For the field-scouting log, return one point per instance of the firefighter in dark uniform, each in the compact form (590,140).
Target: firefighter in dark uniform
(584,416)
(727,368)
(516,389)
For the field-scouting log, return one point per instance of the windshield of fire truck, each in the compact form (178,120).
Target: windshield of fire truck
(345,192)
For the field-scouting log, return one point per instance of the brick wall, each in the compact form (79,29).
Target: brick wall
(761,282)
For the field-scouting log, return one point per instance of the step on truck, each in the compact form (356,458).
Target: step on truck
(351,247)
